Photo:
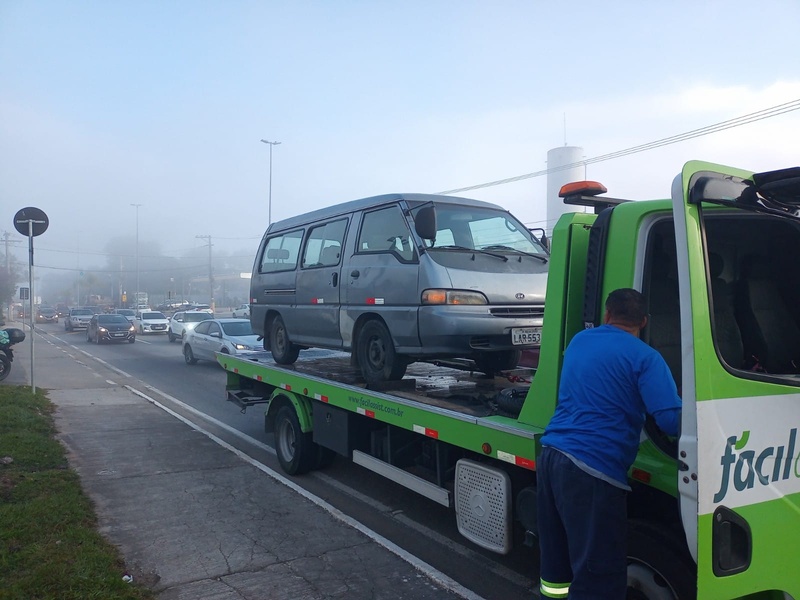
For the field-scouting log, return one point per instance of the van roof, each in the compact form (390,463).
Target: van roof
(371,202)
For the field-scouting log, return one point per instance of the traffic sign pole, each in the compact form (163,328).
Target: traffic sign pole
(31,221)
(30,301)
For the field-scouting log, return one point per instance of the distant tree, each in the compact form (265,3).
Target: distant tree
(8,287)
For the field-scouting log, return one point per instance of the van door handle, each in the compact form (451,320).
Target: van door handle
(334,280)
(355,274)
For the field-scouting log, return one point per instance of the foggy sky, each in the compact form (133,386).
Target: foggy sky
(104,105)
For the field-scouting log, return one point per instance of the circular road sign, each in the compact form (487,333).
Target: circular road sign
(33,215)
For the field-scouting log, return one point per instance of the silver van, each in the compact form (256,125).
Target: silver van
(399,278)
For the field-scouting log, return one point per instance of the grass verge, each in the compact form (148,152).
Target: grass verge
(49,544)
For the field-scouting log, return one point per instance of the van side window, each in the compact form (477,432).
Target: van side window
(324,246)
(386,230)
(281,252)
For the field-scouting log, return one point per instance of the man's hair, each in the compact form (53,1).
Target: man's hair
(627,306)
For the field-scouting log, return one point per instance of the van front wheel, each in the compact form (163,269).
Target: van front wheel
(376,354)
(284,352)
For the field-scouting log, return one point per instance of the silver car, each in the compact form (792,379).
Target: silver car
(229,336)
(78,318)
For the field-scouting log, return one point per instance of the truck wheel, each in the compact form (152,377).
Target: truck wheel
(376,354)
(296,450)
(284,352)
(659,565)
(171,336)
(492,362)
(188,355)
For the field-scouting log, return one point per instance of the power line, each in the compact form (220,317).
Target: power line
(760,115)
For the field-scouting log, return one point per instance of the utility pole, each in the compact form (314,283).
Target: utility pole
(210,271)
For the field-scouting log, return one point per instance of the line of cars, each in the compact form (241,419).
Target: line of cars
(200,334)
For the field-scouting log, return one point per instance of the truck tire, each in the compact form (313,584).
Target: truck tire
(492,362)
(296,450)
(659,565)
(284,352)
(376,354)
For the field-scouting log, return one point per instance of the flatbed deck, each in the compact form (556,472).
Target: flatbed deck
(449,385)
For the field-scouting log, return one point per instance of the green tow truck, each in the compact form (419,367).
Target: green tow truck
(714,513)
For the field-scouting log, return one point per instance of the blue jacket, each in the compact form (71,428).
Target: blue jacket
(609,381)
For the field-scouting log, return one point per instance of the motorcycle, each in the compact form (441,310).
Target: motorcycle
(8,337)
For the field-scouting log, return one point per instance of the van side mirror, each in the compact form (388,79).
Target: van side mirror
(540,234)
(425,222)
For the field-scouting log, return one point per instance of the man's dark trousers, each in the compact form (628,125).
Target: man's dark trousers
(582,531)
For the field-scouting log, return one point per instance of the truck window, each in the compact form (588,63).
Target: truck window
(385,230)
(281,252)
(754,292)
(663,330)
(324,246)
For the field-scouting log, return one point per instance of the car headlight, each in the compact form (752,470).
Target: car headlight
(102,330)
(241,347)
(438,296)
(131,328)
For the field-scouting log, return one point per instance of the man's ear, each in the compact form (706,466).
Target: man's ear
(644,323)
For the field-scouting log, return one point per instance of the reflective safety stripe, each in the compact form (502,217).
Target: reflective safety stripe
(553,590)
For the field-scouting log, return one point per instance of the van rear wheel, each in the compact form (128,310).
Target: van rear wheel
(376,354)
(283,351)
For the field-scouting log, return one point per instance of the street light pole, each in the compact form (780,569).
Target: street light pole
(137,256)
(210,271)
(269,205)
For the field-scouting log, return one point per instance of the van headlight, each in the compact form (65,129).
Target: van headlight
(435,296)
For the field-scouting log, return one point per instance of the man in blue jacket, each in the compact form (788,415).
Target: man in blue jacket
(609,381)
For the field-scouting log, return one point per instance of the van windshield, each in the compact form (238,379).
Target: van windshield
(476,228)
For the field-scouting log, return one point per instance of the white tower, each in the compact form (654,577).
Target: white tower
(571,159)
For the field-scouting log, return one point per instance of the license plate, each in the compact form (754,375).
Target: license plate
(526,335)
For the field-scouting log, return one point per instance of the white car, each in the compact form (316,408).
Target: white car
(242,311)
(150,321)
(184,320)
(229,336)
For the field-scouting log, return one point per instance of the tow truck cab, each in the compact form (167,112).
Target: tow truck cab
(720,266)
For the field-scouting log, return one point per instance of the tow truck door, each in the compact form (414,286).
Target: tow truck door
(739,474)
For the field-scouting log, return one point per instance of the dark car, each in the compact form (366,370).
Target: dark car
(110,328)
(46,315)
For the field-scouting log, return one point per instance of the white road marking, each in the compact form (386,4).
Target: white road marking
(111,382)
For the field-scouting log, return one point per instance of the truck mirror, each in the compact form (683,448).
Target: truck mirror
(425,222)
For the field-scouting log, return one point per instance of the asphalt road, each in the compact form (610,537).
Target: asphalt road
(156,367)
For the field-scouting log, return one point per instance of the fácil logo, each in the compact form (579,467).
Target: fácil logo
(749,468)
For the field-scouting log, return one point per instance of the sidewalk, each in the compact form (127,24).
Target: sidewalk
(195,521)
